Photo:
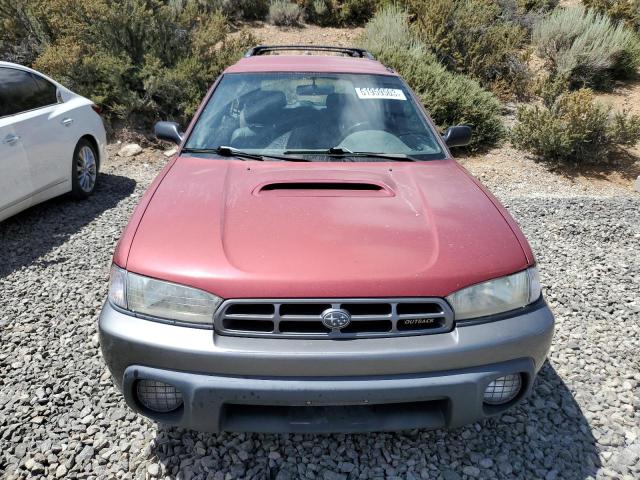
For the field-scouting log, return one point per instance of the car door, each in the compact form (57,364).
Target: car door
(44,132)
(15,178)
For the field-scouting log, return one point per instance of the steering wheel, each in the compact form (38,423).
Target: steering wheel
(356,126)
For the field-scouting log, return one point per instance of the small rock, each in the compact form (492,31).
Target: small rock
(171,152)
(130,150)
(471,471)
(347,467)
(61,471)
(153,469)
(33,466)
(330,475)
(551,475)
(447,475)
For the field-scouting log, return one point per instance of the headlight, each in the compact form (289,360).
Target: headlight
(157,298)
(496,296)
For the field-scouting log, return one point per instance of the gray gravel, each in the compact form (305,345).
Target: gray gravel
(60,417)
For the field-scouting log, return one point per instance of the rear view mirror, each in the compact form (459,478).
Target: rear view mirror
(169,131)
(457,136)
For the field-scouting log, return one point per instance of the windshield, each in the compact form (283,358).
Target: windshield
(311,113)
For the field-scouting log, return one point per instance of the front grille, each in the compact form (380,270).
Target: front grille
(302,318)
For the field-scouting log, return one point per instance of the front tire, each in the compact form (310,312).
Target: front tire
(84,171)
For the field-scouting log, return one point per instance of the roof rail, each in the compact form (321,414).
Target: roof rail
(352,52)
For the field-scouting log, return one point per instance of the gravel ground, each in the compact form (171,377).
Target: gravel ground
(60,417)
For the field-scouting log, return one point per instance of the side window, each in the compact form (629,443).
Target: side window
(7,106)
(44,93)
(21,91)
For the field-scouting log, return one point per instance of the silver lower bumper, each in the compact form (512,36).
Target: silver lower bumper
(273,385)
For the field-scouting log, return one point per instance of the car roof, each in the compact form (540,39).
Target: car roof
(31,70)
(15,65)
(309,63)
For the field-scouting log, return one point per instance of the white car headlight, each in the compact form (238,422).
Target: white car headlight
(496,296)
(157,298)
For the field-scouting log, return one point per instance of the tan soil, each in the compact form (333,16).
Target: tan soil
(507,172)
(569,3)
(625,96)
(306,35)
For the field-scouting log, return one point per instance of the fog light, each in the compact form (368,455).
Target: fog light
(158,396)
(502,389)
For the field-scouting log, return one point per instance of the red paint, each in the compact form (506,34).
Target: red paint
(206,227)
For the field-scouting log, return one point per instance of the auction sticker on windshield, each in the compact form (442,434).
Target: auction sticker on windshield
(382,93)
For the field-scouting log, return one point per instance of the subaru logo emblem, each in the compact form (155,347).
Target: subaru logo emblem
(336,318)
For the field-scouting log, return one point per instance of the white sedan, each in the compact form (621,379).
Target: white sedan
(52,140)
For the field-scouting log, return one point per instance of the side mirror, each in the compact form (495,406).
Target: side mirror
(169,131)
(457,136)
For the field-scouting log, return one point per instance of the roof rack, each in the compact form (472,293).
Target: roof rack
(352,52)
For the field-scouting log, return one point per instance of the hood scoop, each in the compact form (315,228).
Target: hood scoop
(324,188)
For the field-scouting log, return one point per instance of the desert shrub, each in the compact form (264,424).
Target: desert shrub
(586,48)
(476,37)
(357,12)
(575,128)
(140,60)
(285,13)
(536,5)
(525,13)
(627,11)
(450,98)
(234,9)
(22,31)
(549,88)
(389,31)
(337,13)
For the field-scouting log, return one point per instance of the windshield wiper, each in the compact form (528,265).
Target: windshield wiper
(225,151)
(345,152)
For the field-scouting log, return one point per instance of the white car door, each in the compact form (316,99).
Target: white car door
(45,132)
(15,178)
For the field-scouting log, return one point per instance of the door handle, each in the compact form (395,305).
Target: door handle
(10,139)
(67,121)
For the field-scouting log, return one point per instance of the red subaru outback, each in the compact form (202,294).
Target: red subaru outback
(314,260)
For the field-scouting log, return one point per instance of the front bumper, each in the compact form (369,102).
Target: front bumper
(275,385)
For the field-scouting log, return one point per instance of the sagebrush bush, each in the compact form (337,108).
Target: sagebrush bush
(140,60)
(586,48)
(337,13)
(450,98)
(284,13)
(236,9)
(575,128)
(627,11)
(536,5)
(476,37)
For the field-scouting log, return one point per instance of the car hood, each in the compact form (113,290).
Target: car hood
(246,229)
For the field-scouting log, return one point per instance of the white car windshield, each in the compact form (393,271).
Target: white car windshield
(314,113)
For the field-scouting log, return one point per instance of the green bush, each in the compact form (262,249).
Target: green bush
(450,98)
(234,9)
(627,11)
(576,128)
(586,48)
(284,13)
(477,37)
(536,5)
(140,60)
(338,13)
